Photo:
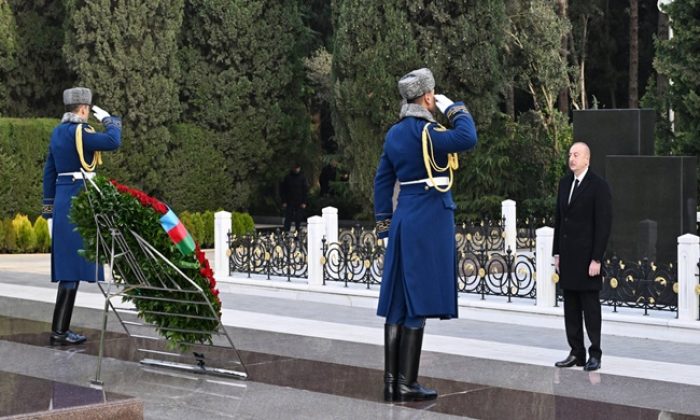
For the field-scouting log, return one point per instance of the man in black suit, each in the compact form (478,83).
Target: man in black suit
(581,229)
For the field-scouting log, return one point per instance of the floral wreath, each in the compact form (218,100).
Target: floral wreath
(133,209)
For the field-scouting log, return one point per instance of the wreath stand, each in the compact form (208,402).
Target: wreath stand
(128,279)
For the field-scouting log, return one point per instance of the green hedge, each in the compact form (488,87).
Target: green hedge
(23,148)
(194,176)
(20,235)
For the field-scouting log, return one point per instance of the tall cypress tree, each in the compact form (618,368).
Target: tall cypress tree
(463,42)
(126,51)
(373,48)
(678,59)
(37,82)
(242,77)
(8,49)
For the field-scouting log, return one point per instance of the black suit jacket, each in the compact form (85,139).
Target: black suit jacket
(581,230)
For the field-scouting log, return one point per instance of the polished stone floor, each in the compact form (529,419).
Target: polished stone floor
(314,360)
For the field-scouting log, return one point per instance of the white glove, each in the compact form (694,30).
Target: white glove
(49,221)
(386,242)
(442,102)
(99,113)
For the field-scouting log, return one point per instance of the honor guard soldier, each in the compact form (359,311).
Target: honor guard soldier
(74,146)
(420,278)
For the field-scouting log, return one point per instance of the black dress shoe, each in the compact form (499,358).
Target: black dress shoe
(67,338)
(592,364)
(570,361)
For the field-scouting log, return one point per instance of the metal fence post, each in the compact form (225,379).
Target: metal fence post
(508,214)
(688,256)
(316,230)
(222,226)
(546,288)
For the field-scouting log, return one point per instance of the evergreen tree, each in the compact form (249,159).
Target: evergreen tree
(242,76)
(373,48)
(41,74)
(8,50)
(463,42)
(126,51)
(678,59)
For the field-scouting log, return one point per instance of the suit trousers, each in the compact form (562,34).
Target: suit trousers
(580,306)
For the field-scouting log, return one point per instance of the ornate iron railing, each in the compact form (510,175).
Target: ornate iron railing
(358,257)
(526,235)
(641,285)
(354,259)
(484,235)
(498,274)
(276,253)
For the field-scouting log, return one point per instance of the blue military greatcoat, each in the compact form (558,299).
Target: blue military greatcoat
(421,231)
(60,187)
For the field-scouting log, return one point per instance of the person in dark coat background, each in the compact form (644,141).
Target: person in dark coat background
(294,191)
(74,146)
(582,225)
(419,279)
(328,174)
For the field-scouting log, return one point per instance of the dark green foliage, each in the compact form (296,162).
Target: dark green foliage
(242,76)
(464,43)
(194,174)
(373,48)
(23,149)
(242,224)
(678,59)
(8,53)
(517,161)
(207,229)
(127,53)
(41,74)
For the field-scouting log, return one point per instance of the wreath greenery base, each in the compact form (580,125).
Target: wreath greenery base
(181,313)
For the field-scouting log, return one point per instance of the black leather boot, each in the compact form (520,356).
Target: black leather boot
(392,338)
(60,332)
(408,387)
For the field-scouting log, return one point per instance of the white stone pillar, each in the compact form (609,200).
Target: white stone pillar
(508,213)
(544,266)
(222,227)
(330,219)
(688,257)
(316,230)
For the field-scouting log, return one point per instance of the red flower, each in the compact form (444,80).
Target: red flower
(160,207)
(215,292)
(212,282)
(206,272)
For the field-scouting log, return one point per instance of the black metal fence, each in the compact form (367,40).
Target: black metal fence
(277,253)
(640,285)
(483,267)
(498,274)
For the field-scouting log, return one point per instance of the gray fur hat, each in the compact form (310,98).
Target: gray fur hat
(77,96)
(416,83)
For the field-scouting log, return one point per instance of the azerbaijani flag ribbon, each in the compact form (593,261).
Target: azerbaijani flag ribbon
(177,232)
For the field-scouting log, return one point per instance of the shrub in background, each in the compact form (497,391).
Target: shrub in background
(41,232)
(26,240)
(207,229)
(242,224)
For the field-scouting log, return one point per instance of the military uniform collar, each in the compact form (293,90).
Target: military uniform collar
(73,118)
(417,111)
